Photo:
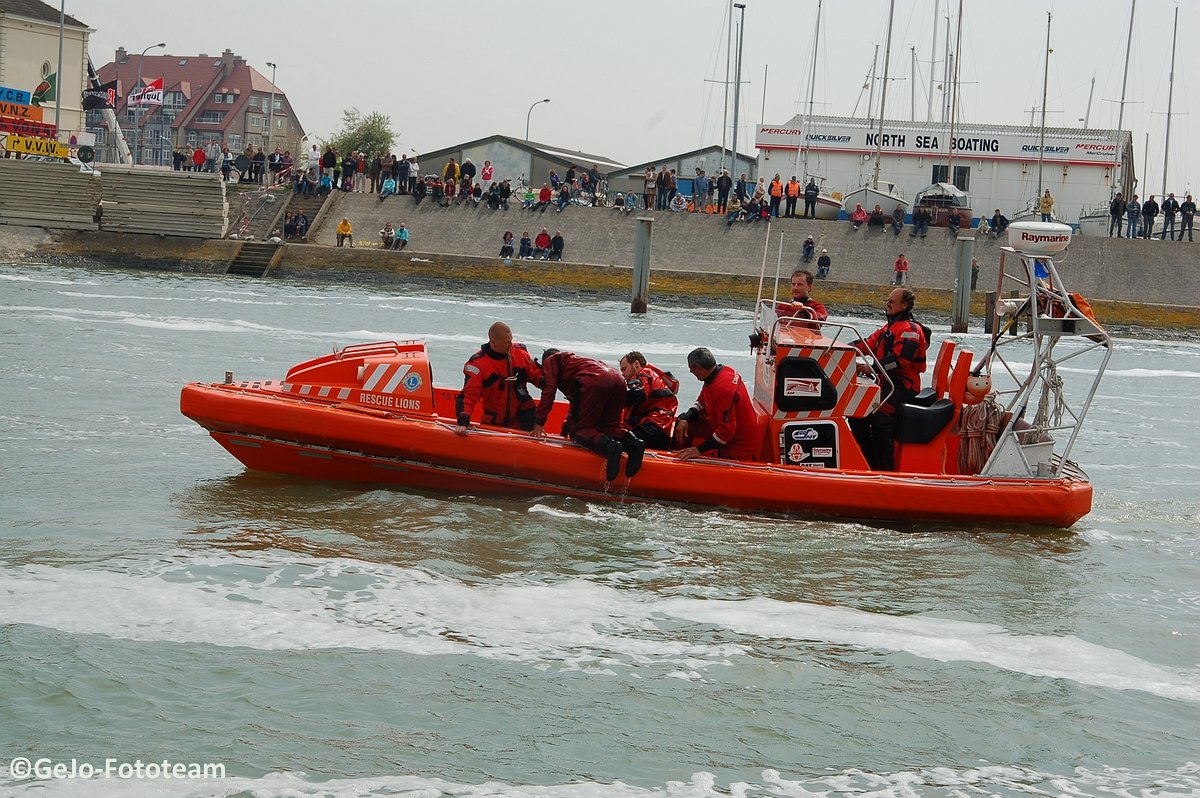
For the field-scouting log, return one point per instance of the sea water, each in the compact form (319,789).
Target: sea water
(158,603)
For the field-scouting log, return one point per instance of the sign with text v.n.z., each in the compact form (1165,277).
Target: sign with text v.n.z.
(24,127)
(15,96)
(32,146)
(31,113)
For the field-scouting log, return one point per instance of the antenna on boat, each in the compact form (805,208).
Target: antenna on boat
(778,267)
(762,276)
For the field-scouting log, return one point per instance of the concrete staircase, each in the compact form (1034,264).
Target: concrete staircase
(254,259)
(311,205)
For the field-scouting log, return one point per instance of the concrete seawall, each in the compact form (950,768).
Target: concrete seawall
(1153,272)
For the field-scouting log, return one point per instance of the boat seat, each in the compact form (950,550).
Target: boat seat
(922,424)
(924,398)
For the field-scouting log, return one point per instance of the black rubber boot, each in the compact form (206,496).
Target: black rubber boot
(636,447)
(612,459)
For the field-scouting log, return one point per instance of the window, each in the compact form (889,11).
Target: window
(229,99)
(253,102)
(211,117)
(279,124)
(182,62)
(256,122)
(219,98)
(278,104)
(235,141)
(193,138)
(962,176)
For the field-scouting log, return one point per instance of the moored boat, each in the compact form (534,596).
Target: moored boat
(940,199)
(370,413)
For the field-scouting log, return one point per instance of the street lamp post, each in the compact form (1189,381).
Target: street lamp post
(141,102)
(271,110)
(535,105)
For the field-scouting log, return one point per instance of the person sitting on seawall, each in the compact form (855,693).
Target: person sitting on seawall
(544,198)
(557,244)
(921,219)
(650,401)
(875,219)
(999,224)
(809,251)
(401,237)
(345,232)
(733,210)
(983,230)
(526,250)
(802,304)
(823,264)
(301,223)
(498,377)
(387,236)
(899,346)
(596,392)
(954,222)
(858,217)
(900,270)
(541,245)
(506,243)
(389,188)
(630,202)
(897,219)
(564,197)
(678,204)
(722,417)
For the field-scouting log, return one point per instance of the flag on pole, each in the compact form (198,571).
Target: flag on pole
(102,96)
(46,91)
(152,94)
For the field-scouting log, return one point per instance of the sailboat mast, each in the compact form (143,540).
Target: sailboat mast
(1170,97)
(887,63)
(937,7)
(954,95)
(812,87)
(728,61)
(1045,86)
(1121,108)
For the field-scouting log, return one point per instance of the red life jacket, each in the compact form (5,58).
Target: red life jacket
(900,347)
(724,404)
(501,384)
(651,399)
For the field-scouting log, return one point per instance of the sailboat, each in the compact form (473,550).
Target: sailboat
(941,200)
(1032,211)
(1096,221)
(886,195)
(829,207)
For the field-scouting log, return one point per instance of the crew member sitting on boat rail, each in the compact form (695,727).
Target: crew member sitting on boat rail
(596,392)
(498,375)
(650,401)
(722,412)
(899,346)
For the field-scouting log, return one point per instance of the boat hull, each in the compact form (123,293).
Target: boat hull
(828,209)
(870,197)
(323,440)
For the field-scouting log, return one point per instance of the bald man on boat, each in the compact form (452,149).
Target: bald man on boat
(498,377)
(722,417)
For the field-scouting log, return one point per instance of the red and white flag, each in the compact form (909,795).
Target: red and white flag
(151,95)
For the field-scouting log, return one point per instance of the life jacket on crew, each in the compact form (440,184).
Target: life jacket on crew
(900,347)
(651,399)
(501,384)
(793,189)
(776,188)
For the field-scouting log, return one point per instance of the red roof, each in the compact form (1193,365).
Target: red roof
(198,78)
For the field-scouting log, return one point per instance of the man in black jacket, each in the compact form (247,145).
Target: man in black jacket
(1116,213)
(724,186)
(811,192)
(1170,207)
(1149,211)
(1188,211)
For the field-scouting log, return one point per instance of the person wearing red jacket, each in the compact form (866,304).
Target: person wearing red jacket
(596,392)
(541,245)
(650,401)
(498,377)
(899,346)
(723,412)
(802,304)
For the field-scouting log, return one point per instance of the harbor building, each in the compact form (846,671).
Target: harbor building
(997,165)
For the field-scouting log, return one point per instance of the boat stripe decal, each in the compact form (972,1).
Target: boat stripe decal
(344,393)
(306,390)
(377,372)
(287,387)
(394,382)
(325,391)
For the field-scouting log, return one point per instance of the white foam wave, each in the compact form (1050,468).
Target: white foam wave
(258,602)
(931,782)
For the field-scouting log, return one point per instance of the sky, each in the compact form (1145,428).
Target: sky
(638,80)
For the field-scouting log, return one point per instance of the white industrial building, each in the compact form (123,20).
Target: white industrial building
(996,164)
